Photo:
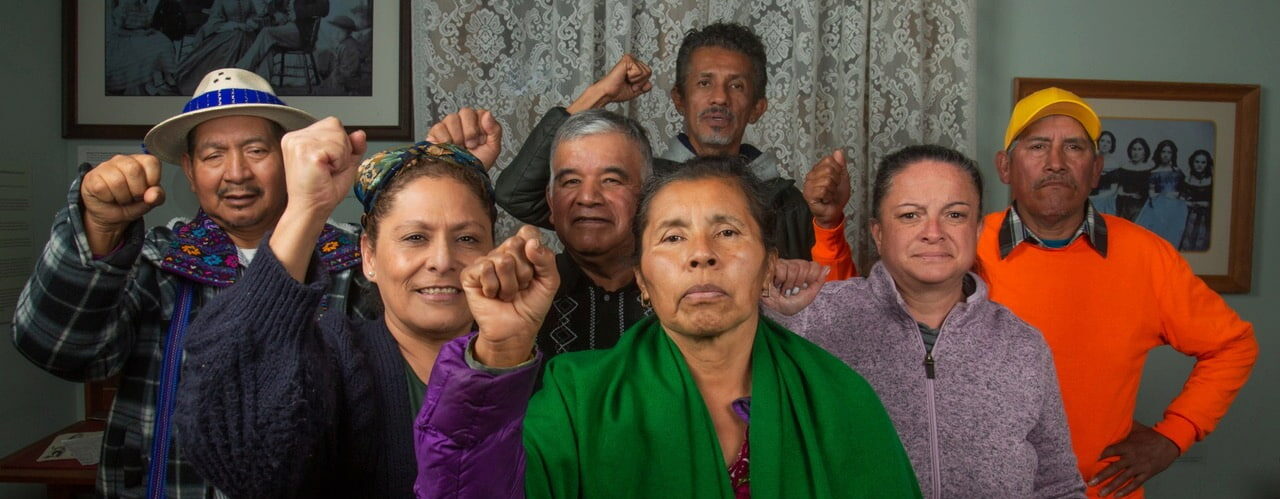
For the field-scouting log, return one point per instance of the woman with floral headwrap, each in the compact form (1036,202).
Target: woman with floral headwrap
(275,403)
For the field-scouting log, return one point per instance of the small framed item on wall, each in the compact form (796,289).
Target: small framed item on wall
(129,64)
(1181,160)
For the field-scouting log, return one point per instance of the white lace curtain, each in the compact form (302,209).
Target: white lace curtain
(867,75)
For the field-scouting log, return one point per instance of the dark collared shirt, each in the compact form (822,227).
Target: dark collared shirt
(585,316)
(1013,231)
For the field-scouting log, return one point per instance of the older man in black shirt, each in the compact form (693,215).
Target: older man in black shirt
(598,161)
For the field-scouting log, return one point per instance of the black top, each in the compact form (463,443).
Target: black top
(1132,182)
(584,316)
(1196,193)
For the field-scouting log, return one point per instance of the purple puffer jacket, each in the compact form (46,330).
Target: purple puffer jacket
(469,411)
(981,416)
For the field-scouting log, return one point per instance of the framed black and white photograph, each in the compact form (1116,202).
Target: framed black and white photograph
(131,63)
(1179,159)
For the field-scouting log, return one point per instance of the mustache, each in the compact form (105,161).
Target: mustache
(717,110)
(251,190)
(1055,178)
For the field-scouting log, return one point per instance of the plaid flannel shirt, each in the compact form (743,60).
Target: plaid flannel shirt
(1014,232)
(87,319)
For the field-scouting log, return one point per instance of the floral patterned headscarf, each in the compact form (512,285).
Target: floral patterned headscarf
(377,171)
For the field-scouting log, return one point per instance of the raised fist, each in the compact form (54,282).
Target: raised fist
(115,193)
(509,292)
(474,129)
(795,284)
(320,163)
(628,79)
(826,189)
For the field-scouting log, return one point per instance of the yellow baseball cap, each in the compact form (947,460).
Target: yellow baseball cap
(1048,102)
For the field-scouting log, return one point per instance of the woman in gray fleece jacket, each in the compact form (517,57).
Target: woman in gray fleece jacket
(970,387)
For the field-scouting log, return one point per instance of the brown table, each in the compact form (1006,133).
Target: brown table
(63,478)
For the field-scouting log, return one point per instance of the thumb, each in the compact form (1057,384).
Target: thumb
(838,155)
(544,263)
(153,196)
(490,126)
(359,143)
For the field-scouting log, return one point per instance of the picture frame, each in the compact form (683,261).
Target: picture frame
(1203,202)
(90,113)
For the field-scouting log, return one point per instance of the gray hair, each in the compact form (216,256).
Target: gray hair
(600,121)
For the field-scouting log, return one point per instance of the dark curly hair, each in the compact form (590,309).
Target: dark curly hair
(1173,148)
(729,36)
(1146,149)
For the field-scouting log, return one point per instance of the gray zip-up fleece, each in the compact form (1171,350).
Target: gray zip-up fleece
(981,416)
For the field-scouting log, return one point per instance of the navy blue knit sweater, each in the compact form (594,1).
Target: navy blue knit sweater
(275,403)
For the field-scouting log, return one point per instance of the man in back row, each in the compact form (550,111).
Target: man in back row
(719,90)
(599,160)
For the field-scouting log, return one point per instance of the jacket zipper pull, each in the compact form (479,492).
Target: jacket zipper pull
(928,365)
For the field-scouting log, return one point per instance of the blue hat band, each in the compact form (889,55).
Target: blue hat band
(228,97)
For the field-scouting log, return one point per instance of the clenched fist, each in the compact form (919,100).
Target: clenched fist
(509,292)
(628,79)
(795,284)
(474,129)
(114,194)
(826,189)
(320,163)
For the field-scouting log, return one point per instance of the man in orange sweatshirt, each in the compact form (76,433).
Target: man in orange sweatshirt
(1104,292)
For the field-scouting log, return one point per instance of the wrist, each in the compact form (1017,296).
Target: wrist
(503,354)
(103,238)
(304,215)
(591,98)
(829,222)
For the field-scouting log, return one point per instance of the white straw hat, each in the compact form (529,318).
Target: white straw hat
(222,92)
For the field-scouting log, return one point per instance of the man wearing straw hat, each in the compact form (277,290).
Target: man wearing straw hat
(109,297)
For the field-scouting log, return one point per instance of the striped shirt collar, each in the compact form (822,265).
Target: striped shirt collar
(1013,231)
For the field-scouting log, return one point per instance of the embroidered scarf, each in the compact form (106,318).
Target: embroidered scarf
(202,252)
(630,421)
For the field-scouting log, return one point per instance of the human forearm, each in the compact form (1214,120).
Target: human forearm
(293,241)
(521,188)
(1199,323)
(257,389)
(592,98)
(830,248)
(473,425)
(77,315)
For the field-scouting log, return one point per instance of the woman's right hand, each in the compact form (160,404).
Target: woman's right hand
(320,164)
(509,292)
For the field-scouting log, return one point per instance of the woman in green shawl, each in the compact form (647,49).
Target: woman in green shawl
(706,398)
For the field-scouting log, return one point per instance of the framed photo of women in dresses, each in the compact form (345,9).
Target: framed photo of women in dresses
(1180,159)
(129,64)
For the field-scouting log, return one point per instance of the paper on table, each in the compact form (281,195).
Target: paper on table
(83,447)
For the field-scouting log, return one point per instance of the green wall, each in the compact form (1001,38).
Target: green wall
(1173,40)
(32,402)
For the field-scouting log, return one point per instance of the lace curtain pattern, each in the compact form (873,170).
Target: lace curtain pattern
(869,75)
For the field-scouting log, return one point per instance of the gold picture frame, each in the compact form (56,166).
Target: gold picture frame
(1225,263)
